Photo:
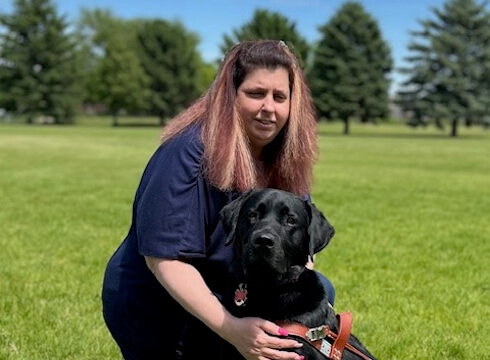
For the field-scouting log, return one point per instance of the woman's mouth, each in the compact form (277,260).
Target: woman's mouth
(266,123)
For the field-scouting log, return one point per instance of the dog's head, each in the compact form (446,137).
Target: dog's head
(274,232)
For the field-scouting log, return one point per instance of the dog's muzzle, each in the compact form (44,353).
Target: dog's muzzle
(264,256)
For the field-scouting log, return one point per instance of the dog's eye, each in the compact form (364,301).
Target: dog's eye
(252,216)
(290,221)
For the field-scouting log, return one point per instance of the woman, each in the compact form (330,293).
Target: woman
(254,127)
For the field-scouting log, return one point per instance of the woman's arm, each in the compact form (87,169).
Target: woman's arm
(249,335)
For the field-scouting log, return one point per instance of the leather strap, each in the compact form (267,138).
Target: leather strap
(345,326)
(340,341)
(301,331)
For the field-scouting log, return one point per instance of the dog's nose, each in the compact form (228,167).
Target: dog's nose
(264,240)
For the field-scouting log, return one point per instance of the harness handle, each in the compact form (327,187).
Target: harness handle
(345,326)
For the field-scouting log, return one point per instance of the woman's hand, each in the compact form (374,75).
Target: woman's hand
(311,262)
(256,338)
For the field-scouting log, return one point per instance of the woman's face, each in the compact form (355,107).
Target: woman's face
(263,102)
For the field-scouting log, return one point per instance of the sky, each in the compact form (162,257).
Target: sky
(211,19)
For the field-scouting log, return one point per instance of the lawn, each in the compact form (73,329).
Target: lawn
(410,258)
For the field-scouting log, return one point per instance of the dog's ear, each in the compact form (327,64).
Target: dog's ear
(229,216)
(319,229)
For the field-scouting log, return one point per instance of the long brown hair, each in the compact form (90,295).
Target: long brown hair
(229,165)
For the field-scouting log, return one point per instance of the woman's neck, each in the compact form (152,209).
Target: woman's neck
(261,172)
(257,154)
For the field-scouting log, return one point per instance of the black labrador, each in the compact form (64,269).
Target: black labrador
(274,233)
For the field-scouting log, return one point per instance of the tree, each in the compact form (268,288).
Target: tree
(114,75)
(350,68)
(38,70)
(123,84)
(94,31)
(168,53)
(449,67)
(207,74)
(272,26)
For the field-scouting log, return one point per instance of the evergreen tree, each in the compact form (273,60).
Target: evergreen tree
(271,26)
(171,61)
(351,64)
(449,67)
(38,70)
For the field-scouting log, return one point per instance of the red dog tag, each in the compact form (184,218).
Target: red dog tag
(241,294)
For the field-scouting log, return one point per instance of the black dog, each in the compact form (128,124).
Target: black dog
(274,233)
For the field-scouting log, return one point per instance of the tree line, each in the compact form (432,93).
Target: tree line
(52,68)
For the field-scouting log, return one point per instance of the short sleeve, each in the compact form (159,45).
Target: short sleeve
(170,209)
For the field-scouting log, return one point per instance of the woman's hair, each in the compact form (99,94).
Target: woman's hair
(228,163)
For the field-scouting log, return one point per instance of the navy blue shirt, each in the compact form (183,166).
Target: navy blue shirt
(175,216)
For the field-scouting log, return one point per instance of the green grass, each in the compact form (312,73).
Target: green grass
(410,258)
(412,250)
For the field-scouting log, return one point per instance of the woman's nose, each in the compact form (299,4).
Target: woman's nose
(268,104)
